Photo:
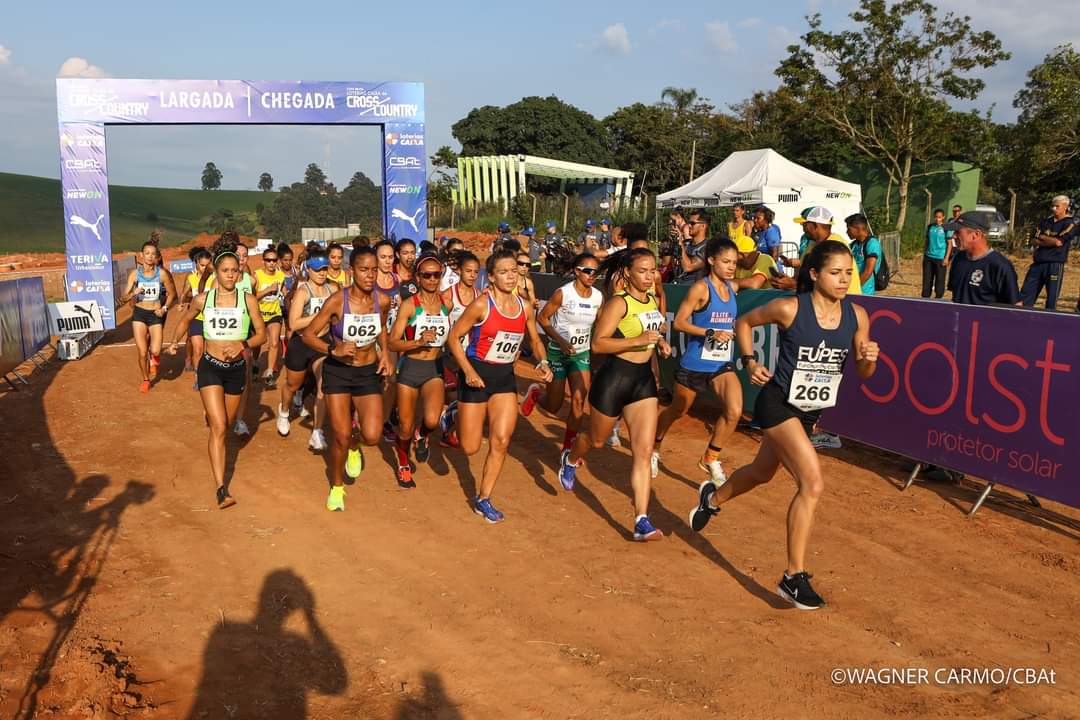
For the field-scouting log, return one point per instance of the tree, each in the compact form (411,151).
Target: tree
(211,177)
(266,182)
(1049,126)
(887,83)
(679,99)
(315,177)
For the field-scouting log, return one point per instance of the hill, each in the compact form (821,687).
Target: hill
(32,217)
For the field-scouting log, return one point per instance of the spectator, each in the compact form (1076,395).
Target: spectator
(586,241)
(503,235)
(695,234)
(817,226)
(452,249)
(866,249)
(603,240)
(534,247)
(979,275)
(553,241)
(741,225)
(936,256)
(768,234)
(754,267)
(669,249)
(949,234)
(1051,243)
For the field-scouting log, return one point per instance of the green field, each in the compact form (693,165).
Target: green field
(32,216)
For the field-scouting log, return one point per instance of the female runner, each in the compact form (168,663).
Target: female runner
(457,297)
(567,320)
(228,315)
(354,370)
(819,328)
(337,272)
(706,318)
(418,335)
(270,292)
(200,258)
(307,299)
(151,287)
(497,323)
(388,285)
(630,329)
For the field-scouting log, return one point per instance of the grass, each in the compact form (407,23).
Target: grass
(32,215)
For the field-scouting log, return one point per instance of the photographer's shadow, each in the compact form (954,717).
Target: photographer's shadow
(258,669)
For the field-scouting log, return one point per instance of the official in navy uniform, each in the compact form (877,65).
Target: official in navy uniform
(1051,243)
(979,275)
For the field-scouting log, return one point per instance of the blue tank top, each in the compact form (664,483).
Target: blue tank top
(812,355)
(143,282)
(704,357)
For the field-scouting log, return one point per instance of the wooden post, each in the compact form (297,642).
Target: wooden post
(693,154)
(453,215)
(1014,239)
(534,209)
(929,205)
(565,210)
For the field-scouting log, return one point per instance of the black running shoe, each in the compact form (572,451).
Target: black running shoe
(422,447)
(798,591)
(224,499)
(700,516)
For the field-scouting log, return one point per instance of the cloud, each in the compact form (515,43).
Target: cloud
(750,22)
(615,39)
(719,35)
(5,55)
(77,67)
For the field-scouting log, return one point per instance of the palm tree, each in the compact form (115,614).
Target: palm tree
(679,98)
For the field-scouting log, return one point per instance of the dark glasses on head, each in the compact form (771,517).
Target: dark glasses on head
(430,275)
(586,270)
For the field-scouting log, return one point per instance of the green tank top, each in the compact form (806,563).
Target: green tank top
(225,324)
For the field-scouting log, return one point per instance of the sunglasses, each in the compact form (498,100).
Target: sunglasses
(272,259)
(586,270)
(523,264)
(430,275)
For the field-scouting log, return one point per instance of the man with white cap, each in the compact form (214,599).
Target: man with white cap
(817,226)
(1051,243)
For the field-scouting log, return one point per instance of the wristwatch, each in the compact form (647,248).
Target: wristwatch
(746,359)
(330,344)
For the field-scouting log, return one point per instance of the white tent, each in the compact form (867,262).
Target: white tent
(765,177)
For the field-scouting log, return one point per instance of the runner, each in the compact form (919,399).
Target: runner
(630,329)
(337,273)
(706,317)
(200,257)
(269,291)
(457,298)
(567,320)
(388,286)
(497,322)
(526,288)
(419,334)
(819,327)
(307,299)
(230,313)
(151,288)
(406,259)
(355,369)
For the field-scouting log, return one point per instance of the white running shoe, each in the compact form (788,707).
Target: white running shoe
(825,441)
(240,427)
(317,441)
(614,440)
(282,422)
(304,412)
(654,464)
(715,471)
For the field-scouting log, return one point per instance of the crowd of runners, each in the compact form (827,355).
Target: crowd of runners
(404,344)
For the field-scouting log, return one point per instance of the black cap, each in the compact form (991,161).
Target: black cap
(971,219)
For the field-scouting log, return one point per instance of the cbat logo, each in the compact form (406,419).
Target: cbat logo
(81,165)
(405,162)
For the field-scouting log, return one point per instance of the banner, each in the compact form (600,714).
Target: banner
(86,105)
(985,391)
(177,267)
(11,346)
(33,314)
(72,317)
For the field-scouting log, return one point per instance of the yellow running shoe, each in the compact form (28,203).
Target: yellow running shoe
(336,500)
(354,463)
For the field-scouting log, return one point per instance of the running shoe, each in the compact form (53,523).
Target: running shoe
(567,472)
(798,591)
(269,380)
(645,531)
(532,396)
(354,463)
(825,441)
(388,434)
(304,412)
(614,440)
(422,447)
(449,439)
(144,386)
(335,501)
(240,427)
(282,421)
(448,418)
(404,477)
(715,471)
(298,399)
(224,499)
(700,516)
(317,441)
(654,464)
(487,510)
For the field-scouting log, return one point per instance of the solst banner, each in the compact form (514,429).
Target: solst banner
(990,392)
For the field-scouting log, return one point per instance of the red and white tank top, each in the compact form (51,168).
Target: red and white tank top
(497,339)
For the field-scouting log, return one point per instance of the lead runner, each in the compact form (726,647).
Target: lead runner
(819,327)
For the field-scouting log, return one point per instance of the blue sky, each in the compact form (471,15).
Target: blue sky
(597,56)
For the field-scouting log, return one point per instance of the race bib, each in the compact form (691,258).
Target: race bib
(504,347)
(223,324)
(316,303)
(361,329)
(579,337)
(651,320)
(439,323)
(717,351)
(149,292)
(455,315)
(813,390)
(391,317)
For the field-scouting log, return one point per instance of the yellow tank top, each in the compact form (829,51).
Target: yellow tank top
(339,278)
(193,283)
(270,305)
(640,317)
(737,230)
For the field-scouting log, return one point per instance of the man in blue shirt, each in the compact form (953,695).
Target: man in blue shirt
(936,256)
(1051,243)
(866,249)
(766,233)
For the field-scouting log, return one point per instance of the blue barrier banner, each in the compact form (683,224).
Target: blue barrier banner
(34,315)
(181,266)
(11,346)
(404,182)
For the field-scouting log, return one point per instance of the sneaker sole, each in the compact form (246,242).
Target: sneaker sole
(702,506)
(489,520)
(784,594)
(657,535)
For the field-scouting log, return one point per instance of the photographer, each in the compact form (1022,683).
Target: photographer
(691,258)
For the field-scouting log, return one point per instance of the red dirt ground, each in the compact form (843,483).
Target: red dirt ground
(126,593)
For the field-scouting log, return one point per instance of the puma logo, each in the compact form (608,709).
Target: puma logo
(77,221)
(400,215)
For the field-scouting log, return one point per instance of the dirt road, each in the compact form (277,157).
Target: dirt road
(126,592)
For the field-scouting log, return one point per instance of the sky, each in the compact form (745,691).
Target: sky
(598,56)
